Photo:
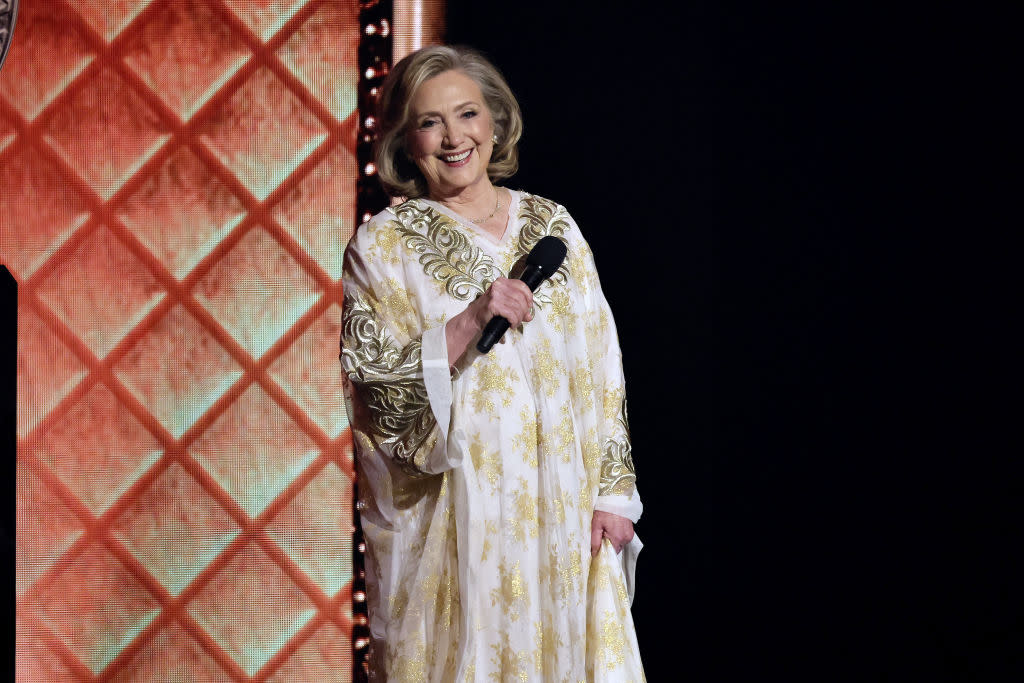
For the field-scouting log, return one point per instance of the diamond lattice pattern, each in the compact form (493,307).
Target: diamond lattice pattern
(178,180)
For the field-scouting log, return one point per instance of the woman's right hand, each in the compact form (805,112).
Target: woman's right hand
(511,299)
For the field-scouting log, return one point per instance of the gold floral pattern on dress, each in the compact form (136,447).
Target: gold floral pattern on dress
(492,381)
(546,370)
(591,450)
(585,495)
(446,590)
(509,664)
(613,640)
(562,311)
(398,602)
(397,305)
(385,245)
(523,522)
(389,383)
(490,531)
(561,438)
(596,331)
(613,402)
(410,662)
(486,462)
(552,512)
(446,253)
(511,593)
(562,574)
(581,267)
(526,440)
(582,387)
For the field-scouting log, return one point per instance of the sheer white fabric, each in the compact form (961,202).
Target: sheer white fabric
(479,485)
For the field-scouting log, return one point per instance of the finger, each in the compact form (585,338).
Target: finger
(611,539)
(507,298)
(518,299)
(513,289)
(520,312)
(525,307)
(596,534)
(521,287)
(522,296)
(511,314)
(620,538)
(615,545)
(503,308)
(514,292)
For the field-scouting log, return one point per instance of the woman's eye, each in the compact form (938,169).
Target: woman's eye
(468,114)
(428,123)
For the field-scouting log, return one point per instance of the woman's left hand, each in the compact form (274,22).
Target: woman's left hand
(619,530)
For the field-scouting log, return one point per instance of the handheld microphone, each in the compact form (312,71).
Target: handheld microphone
(541,263)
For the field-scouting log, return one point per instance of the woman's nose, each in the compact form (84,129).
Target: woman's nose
(453,135)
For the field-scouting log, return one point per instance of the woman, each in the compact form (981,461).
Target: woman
(496,489)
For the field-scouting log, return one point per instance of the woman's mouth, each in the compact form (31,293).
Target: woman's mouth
(458,159)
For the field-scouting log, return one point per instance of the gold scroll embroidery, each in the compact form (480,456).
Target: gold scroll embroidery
(445,252)
(617,472)
(387,379)
(543,217)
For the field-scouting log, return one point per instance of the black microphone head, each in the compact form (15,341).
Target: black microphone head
(547,254)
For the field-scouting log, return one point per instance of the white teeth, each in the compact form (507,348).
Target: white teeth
(452,158)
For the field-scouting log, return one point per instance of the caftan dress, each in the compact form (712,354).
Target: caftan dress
(478,483)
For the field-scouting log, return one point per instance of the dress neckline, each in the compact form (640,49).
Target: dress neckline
(510,218)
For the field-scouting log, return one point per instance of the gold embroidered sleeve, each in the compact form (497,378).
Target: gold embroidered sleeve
(617,473)
(388,382)
(618,476)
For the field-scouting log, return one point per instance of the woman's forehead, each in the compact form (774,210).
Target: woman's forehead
(447,90)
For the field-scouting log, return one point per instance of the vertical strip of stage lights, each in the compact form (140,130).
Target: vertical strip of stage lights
(375,47)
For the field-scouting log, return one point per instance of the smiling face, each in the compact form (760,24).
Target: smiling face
(449,135)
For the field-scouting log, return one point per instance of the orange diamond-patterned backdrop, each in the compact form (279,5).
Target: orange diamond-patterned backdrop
(178,183)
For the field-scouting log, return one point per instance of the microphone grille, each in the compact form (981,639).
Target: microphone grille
(548,254)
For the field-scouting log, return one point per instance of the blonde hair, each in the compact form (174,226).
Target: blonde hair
(398,174)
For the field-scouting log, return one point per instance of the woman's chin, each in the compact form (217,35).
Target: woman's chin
(456,183)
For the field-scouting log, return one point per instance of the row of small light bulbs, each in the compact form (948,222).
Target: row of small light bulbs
(373,30)
(383,30)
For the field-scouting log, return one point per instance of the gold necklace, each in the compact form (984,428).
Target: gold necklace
(497,203)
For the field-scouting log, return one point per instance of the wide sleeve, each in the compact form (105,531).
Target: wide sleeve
(617,489)
(399,387)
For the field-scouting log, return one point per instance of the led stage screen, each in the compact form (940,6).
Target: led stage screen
(178,180)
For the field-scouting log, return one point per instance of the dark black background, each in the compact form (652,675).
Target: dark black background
(779,205)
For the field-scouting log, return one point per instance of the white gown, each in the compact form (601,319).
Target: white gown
(479,486)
